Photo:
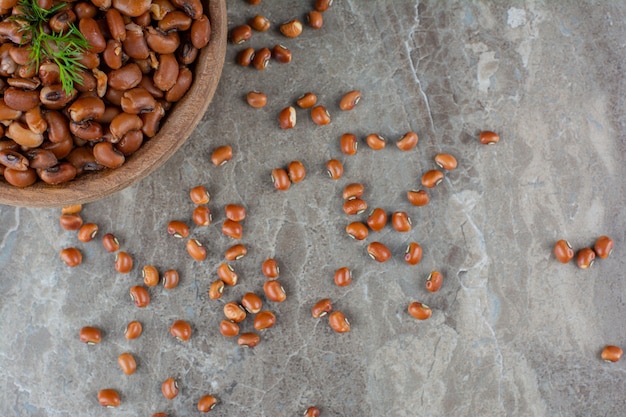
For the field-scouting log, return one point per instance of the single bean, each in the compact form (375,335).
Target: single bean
(351,98)
(133,330)
(170,279)
(199,195)
(264,320)
(280,179)
(352,191)
(611,353)
(202,216)
(92,34)
(338,322)
(90,335)
(343,277)
(187,53)
(419,311)
(115,23)
(123,262)
(281,54)
(71,221)
(60,22)
(57,174)
(22,135)
(251,302)
(152,120)
(89,130)
(130,142)
(19,99)
(270,268)
(221,155)
(132,8)
(321,308)
(137,100)
(87,232)
(488,138)
(408,141)
(162,42)
(182,85)
(127,363)
(603,247)
(320,115)
(71,256)
(354,206)
(357,230)
(196,250)
(7,113)
(291,29)
(166,75)
(260,23)
(563,251)
(216,289)
(261,58)
(334,169)
(232,229)
(140,296)
(245,56)
(106,155)
(192,7)
(585,258)
(446,161)
(378,252)
(315,19)
(109,398)
(418,198)
(169,388)
(125,78)
(181,330)
(87,9)
(86,108)
(71,209)
(375,141)
(401,221)
(287,118)
(41,158)
(14,160)
(256,99)
(377,219)
(110,243)
(175,20)
(307,100)
(274,291)
(228,328)
(296,171)
(54,97)
(348,143)
(240,34)
(413,253)
(227,274)
(35,120)
(235,212)
(178,229)
(150,276)
(434,281)
(206,403)
(248,340)
(234,312)
(20,178)
(322,5)
(432,178)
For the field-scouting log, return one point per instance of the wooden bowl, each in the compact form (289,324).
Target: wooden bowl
(180,122)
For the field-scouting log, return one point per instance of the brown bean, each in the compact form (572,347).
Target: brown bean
(199,195)
(352,191)
(162,42)
(58,174)
(413,253)
(419,311)
(291,29)
(315,19)
(287,118)
(71,256)
(92,34)
(152,120)
(130,142)
(132,8)
(19,99)
(260,23)
(264,320)
(228,328)
(375,141)
(181,330)
(307,100)
(227,274)
(343,277)
(348,143)
(49,73)
(296,171)
(201,32)
(256,99)
(334,169)
(150,275)
(418,198)
(357,230)
(86,108)
(109,398)
(261,58)
(202,216)
(115,23)
(125,78)
(280,179)
(603,247)
(563,251)
(110,243)
(182,85)
(58,126)
(434,281)
(71,209)
(135,45)
(137,100)
(170,279)
(60,22)
(245,57)
(196,250)
(106,155)
(354,206)
(133,330)
(8,113)
(446,161)
(20,82)
(54,97)
(166,75)
(235,212)
(377,219)
(432,178)
(378,252)
(312,411)
(71,221)
(35,120)
(20,178)
(124,123)
(234,312)
(88,130)
(611,353)
(338,322)
(127,363)
(401,221)
(221,155)
(83,160)
(274,291)
(235,252)
(322,5)
(320,115)
(22,135)
(90,335)
(192,7)
(270,268)
(88,9)
(87,232)
(216,289)
(240,34)
(61,149)
(89,60)
(488,138)
(281,54)
(123,262)
(232,229)
(169,388)
(206,403)
(248,340)
(408,141)
(14,160)
(350,99)
(321,308)
(251,302)
(585,258)
(175,20)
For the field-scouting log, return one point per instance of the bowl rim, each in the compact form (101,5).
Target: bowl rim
(154,152)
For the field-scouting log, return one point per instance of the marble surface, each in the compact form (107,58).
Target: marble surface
(513,333)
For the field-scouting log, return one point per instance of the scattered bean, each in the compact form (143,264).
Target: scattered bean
(446,161)
(270,268)
(202,216)
(348,144)
(235,252)
(343,277)
(245,56)
(169,388)
(377,219)
(413,253)
(418,198)
(228,328)
(240,34)
(251,302)
(291,29)
(287,118)
(71,256)
(170,279)
(232,229)
(261,58)
(227,274)
(206,403)
(378,252)
(563,251)
(585,258)
(296,171)
(71,221)
(434,281)
(274,291)
(280,178)
(110,243)
(281,54)
(307,100)
(375,141)
(87,232)
(354,206)
(140,296)
(419,311)
(133,330)
(123,262)
(90,335)
(249,340)
(127,363)
(315,19)
(260,23)
(109,398)
(603,247)
(150,276)
(196,250)
(611,353)
(256,99)
(235,212)
(322,308)
(407,142)
(432,178)
(350,99)
(178,229)
(264,320)
(357,230)
(221,155)
(401,221)
(338,322)
(234,312)
(320,115)
(334,169)
(352,191)
(322,5)
(72,209)
(199,195)
(216,290)
(488,138)
(181,330)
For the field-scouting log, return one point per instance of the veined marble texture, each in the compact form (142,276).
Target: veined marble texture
(513,331)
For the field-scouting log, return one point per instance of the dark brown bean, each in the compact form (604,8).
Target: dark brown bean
(57,174)
(175,20)
(41,158)
(115,23)
(20,178)
(19,99)
(182,85)
(108,156)
(281,54)
(201,32)
(162,42)
(261,58)
(170,279)
(245,57)
(92,33)
(14,160)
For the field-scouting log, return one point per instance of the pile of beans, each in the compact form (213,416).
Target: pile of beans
(138,64)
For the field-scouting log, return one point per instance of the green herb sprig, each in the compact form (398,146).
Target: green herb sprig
(63,48)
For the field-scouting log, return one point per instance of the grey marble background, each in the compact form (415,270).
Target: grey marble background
(514,333)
